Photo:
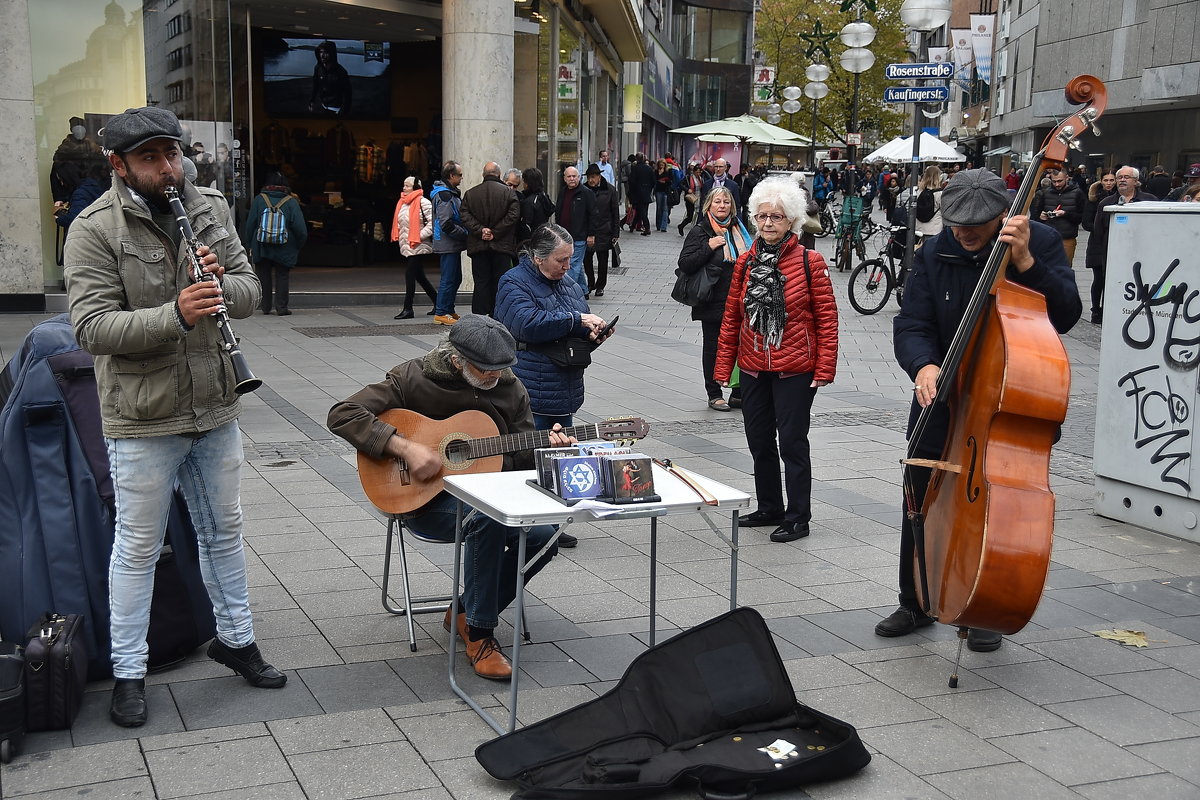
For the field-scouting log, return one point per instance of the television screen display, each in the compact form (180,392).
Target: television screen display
(330,78)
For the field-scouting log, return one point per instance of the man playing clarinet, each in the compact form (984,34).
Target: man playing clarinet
(167,397)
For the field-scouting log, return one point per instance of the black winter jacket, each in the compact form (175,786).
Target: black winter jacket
(607,223)
(1070,200)
(583,213)
(693,257)
(641,183)
(1097,249)
(938,291)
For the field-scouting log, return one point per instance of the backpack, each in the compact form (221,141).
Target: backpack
(925,205)
(272,225)
(434,199)
(535,212)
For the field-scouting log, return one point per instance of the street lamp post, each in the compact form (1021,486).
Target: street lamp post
(791,104)
(921,16)
(856,59)
(815,89)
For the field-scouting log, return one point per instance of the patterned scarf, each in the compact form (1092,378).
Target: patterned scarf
(736,242)
(766,312)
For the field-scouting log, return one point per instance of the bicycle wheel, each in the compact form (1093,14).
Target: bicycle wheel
(870,286)
(844,252)
(827,224)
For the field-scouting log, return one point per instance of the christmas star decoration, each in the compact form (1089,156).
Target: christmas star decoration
(818,41)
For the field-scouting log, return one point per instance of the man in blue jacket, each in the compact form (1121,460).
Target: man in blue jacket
(449,239)
(936,297)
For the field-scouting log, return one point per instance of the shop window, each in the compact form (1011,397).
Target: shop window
(703,97)
(709,34)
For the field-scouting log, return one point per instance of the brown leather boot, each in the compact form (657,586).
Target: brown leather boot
(488,661)
(461,626)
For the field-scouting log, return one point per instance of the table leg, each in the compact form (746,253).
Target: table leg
(653,578)
(519,625)
(733,562)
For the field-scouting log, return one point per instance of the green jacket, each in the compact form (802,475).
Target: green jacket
(123,275)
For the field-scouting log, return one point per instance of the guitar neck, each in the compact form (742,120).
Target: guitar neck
(530,440)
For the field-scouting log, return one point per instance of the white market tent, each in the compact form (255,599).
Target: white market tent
(900,150)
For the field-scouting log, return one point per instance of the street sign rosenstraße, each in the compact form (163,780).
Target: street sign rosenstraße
(916,94)
(904,72)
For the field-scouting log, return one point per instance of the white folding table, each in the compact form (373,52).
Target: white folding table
(507,498)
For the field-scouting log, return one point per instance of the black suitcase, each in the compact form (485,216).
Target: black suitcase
(56,666)
(712,708)
(12,700)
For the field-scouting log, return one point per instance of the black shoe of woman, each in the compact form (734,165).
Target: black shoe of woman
(404,314)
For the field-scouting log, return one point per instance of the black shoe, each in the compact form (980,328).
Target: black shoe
(567,540)
(1097,317)
(266,310)
(431,312)
(790,532)
(982,641)
(406,313)
(902,622)
(735,401)
(248,662)
(283,312)
(645,233)
(760,519)
(599,293)
(128,707)
(681,230)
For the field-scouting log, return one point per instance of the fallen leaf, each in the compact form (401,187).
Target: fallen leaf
(1126,637)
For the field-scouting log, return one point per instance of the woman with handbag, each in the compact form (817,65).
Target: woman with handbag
(712,246)
(693,187)
(664,179)
(780,327)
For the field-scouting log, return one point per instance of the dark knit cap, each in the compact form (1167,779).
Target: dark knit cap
(136,126)
(484,342)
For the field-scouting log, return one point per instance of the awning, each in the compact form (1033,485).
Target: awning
(999,151)
(622,25)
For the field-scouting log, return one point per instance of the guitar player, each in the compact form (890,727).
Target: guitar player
(467,371)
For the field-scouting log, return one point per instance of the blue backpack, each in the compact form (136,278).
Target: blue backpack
(434,199)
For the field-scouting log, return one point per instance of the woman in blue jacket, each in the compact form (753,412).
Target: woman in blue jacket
(272,258)
(538,307)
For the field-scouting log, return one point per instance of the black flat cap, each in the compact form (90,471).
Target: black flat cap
(484,342)
(973,197)
(136,126)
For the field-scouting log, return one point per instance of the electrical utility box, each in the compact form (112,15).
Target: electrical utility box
(1147,456)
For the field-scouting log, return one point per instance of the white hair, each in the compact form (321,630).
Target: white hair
(782,192)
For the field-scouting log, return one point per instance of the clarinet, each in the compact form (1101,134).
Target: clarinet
(245,380)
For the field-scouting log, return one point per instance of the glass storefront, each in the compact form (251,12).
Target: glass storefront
(709,34)
(92,61)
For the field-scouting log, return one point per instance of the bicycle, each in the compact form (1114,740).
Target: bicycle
(872,282)
(851,224)
(828,215)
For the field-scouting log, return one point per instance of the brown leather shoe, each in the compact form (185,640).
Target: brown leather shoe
(488,661)
(461,626)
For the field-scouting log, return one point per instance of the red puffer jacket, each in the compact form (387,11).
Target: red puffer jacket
(810,337)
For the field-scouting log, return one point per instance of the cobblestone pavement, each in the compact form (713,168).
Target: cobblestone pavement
(1055,713)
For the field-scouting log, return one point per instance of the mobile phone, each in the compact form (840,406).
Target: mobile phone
(607,329)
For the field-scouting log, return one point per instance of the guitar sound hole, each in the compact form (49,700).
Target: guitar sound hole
(458,452)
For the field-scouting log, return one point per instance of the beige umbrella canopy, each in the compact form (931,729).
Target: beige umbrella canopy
(744,128)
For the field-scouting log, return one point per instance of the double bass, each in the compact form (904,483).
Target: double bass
(984,532)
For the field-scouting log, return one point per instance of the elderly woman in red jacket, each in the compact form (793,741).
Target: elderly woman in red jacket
(781,328)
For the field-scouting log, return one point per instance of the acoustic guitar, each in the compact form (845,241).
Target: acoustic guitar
(468,442)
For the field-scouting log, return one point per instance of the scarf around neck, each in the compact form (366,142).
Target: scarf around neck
(413,201)
(766,311)
(736,242)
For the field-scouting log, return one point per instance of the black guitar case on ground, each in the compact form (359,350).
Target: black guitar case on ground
(57,510)
(712,707)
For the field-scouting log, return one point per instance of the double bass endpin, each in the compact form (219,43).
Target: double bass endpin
(962,638)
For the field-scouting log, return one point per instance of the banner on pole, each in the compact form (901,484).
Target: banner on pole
(982,26)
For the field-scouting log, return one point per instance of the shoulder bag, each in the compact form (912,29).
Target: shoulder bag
(697,288)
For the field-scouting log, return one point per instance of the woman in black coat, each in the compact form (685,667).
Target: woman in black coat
(606,228)
(717,239)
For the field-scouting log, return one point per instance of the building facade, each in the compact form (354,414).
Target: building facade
(520,82)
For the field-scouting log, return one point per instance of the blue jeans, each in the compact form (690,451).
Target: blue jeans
(575,273)
(144,472)
(451,264)
(662,208)
(490,559)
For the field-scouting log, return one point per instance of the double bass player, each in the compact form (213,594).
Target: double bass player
(945,273)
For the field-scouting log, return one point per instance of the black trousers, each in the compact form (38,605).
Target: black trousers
(689,208)
(641,216)
(486,269)
(273,275)
(596,282)
(414,273)
(1098,273)
(908,543)
(778,408)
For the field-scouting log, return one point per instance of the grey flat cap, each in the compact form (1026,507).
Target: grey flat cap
(973,197)
(136,126)
(484,342)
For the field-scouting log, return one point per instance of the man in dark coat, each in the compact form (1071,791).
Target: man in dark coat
(641,191)
(936,296)
(1060,205)
(576,211)
(606,229)
(1128,181)
(490,212)
(1159,183)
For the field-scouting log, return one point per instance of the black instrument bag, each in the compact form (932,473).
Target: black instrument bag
(711,708)
(56,667)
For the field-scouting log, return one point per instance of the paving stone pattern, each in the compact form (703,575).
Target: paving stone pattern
(1055,713)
